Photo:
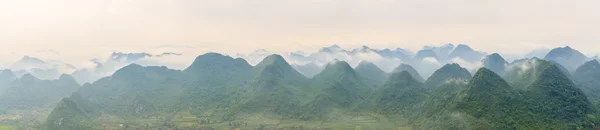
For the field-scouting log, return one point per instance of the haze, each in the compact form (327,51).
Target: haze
(76,31)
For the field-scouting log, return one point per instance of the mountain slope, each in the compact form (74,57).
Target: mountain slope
(466,53)
(370,74)
(278,89)
(493,103)
(495,63)
(213,69)
(587,77)
(28,92)
(567,57)
(6,77)
(555,96)
(412,71)
(68,116)
(400,93)
(522,73)
(337,87)
(446,74)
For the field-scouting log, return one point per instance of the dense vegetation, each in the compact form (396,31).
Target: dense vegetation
(220,92)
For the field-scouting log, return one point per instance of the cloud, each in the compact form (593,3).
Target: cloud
(522,66)
(427,66)
(472,66)
(98,68)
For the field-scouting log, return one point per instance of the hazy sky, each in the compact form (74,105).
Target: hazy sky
(77,30)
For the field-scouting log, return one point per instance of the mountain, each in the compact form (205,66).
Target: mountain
(491,101)
(422,54)
(308,70)
(370,74)
(467,53)
(68,116)
(587,76)
(28,62)
(399,53)
(522,73)
(332,49)
(554,96)
(442,51)
(337,87)
(6,77)
(215,69)
(495,62)
(446,74)
(278,89)
(410,70)
(276,66)
(135,91)
(29,91)
(567,57)
(400,93)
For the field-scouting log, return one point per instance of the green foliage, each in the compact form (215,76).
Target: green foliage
(495,63)
(220,92)
(587,77)
(370,74)
(68,116)
(409,69)
(445,74)
(29,92)
(399,94)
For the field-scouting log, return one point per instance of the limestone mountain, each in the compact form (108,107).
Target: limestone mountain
(495,63)
(446,74)
(490,101)
(278,89)
(68,116)
(567,57)
(412,71)
(467,53)
(400,93)
(370,74)
(215,69)
(555,96)
(6,77)
(29,91)
(587,77)
(337,87)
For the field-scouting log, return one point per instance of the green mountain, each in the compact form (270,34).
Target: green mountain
(135,91)
(587,77)
(446,74)
(490,101)
(370,74)
(274,66)
(273,95)
(522,73)
(486,102)
(277,89)
(28,92)
(399,94)
(495,62)
(68,116)
(567,57)
(553,95)
(337,88)
(213,69)
(6,77)
(409,69)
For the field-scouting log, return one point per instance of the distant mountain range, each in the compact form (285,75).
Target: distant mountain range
(424,61)
(221,92)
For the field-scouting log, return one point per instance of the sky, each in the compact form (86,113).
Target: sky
(75,31)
